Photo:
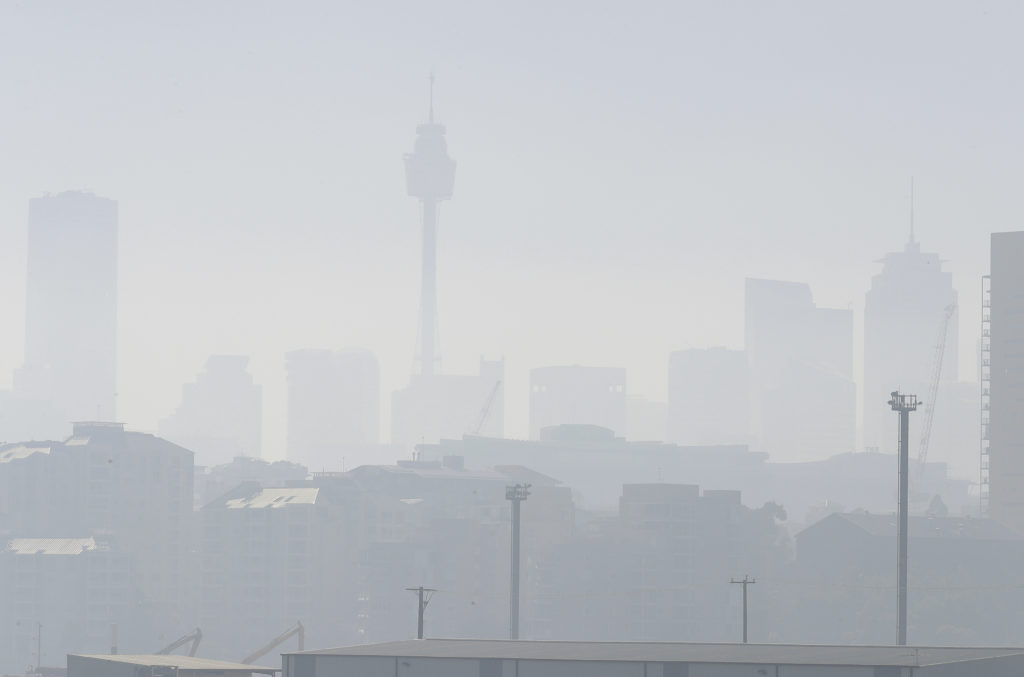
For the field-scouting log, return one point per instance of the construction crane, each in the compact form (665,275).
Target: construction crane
(485,411)
(933,388)
(298,629)
(195,637)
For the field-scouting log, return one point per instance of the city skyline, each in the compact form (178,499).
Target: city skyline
(296,232)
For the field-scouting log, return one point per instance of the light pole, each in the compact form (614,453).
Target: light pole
(517,495)
(903,404)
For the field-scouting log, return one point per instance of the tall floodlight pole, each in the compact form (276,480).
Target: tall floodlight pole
(517,495)
(903,404)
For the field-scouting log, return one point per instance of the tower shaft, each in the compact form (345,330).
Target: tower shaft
(428,289)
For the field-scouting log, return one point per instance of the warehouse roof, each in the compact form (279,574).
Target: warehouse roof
(179,662)
(778,654)
(52,546)
(275,497)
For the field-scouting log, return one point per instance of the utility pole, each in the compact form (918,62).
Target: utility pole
(745,582)
(424,600)
(39,645)
(903,404)
(517,495)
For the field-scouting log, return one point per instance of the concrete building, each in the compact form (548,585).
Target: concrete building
(596,464)
(75,588)
(802,396)
(1006,426)
(577,395)
(444,406)
(708,397)
(105,481)
(70,362)
(504,658)
(904,314)
(273,556)
(966,586)
(333,405)
(221,414)
(156,665)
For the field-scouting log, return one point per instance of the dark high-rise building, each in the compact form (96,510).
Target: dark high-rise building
(1006,426)
(904,318)
(71,307)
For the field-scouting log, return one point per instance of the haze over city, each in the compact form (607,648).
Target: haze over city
(673,339)
(614,173)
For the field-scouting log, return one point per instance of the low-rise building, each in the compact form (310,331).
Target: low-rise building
(505,658)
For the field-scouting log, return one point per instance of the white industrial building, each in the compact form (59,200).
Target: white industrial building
(502,658)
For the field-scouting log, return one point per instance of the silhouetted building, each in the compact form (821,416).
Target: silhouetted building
(965,580)
(221,414)
(333,404)
(577,395)
(272,556)
(904,318)
(71,311)
(213,481)
(104,481)
(1006,427)
(445,406)
(75,587)
(803,399)
(708,397)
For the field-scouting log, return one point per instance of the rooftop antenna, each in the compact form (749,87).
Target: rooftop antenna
(911,196)
(431,98)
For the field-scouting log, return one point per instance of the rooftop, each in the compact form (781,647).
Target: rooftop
(16,452)
(52,546)
(275,497)
(179,662)
(778,654)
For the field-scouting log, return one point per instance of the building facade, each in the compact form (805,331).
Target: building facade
(221,413)
(577,395)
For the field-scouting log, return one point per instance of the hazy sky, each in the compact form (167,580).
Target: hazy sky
(621,168)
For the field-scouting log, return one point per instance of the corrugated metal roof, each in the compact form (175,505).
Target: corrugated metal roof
(180,662)
(52,546)
(758,654)
(19,451)
(275,498)
(922,526)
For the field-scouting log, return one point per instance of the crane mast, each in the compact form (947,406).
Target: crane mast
(933,387)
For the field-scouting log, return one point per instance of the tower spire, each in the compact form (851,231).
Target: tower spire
(431,119)
(911,210)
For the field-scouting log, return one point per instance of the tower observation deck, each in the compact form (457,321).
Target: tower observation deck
(430,178)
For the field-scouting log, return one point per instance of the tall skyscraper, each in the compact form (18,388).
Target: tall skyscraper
(803,402)
(430,178)
(904,314)
(577,395)
(1006,423)
(71,306)
(333,404)
(221,414)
